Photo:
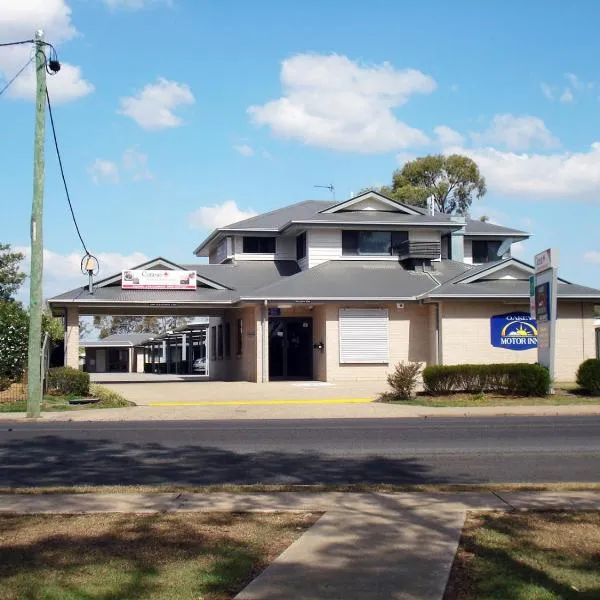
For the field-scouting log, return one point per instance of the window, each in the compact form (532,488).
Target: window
(259,245)
(227,340)
(364,335)
(485,251)
(220,341)
(301,246)
(240,337)
(372,243)
(213,342)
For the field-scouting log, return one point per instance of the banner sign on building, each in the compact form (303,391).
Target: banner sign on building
(158,280)
(514,331)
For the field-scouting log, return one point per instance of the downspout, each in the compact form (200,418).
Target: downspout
(439,357)
(265,342)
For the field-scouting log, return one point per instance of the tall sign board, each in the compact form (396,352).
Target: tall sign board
(544,300)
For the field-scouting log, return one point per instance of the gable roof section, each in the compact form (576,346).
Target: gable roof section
(472,284)
(159,263)
(372,194)
(117,339)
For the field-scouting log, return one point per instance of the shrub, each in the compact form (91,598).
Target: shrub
(519,379)
(588,376)
(404,380)
(66,381)
(5,383)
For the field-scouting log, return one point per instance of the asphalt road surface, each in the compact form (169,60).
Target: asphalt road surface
(433,450)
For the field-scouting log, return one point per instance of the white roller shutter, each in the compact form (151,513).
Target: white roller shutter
(364,335)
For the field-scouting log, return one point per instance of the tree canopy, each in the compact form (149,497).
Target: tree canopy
(451,181)
(11,276)
(137,324)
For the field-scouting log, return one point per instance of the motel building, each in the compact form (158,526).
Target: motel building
(335,292)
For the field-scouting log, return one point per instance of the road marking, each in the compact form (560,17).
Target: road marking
(264,402)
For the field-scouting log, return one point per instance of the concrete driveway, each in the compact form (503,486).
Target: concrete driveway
(189,390)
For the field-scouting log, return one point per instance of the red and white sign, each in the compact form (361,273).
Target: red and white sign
(158,280)
(548,259)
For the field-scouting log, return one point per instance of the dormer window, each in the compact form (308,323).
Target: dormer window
(372,243)
(259,245)
(485,251)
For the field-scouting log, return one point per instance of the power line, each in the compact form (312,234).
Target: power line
(17,43)
(62,173)
(19,72)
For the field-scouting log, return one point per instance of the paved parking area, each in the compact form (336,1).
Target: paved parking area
(190,390)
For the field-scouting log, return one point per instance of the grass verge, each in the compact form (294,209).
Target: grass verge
(182,556)
(108,399)
(564,395)
(528,556)
(358,488)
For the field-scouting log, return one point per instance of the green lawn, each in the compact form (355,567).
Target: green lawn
(528,556)
(108,399)
(178,556)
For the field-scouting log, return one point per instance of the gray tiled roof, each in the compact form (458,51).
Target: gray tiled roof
(131,339)
(346,280)
(476,227)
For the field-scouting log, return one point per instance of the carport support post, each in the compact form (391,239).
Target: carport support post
(265,342)
(71,342)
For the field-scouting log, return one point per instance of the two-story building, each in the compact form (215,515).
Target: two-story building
(344,291)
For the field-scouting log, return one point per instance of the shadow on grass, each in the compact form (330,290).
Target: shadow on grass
(510,556)
(124,556)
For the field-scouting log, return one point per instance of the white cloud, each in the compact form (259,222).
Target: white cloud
(18,21)
(153,108)
(516,133)
(568,174)
(104,171)
(593,256)
(547,90)
(62,272)
(332,102)
(136,164)
(136,4)
(575,82)
(519,249)
(133,162)
(219,215)
(402,158)
(566,97)
(244,149)
(447,136)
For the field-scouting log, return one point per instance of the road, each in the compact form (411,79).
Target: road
(440,450)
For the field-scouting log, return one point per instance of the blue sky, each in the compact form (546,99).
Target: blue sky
(174,117)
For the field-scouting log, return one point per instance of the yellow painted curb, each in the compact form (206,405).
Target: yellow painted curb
(263,402)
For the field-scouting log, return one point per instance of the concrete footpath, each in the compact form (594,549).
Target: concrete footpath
(365,546)
(302,410)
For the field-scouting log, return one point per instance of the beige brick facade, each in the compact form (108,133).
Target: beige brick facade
(72,338)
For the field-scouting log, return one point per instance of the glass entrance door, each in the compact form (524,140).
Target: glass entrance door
(290,348)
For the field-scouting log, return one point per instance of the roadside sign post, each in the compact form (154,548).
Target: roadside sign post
(545,298)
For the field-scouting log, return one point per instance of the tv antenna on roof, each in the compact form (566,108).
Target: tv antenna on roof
(329,187)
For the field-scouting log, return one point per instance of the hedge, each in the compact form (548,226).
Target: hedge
(588,376)
(520,379)
(68,381)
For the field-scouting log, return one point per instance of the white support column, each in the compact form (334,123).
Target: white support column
(71,342)
(265,342)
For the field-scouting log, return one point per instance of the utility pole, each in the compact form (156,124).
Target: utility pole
(34,384)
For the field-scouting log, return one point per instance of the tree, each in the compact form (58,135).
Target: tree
(11,277)
(137,324)
(14,327)
(452,181)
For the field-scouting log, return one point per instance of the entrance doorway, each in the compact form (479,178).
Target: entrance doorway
(290,348)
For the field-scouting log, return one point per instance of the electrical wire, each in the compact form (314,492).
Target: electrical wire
(17,43)
(18,73)
(62,173)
